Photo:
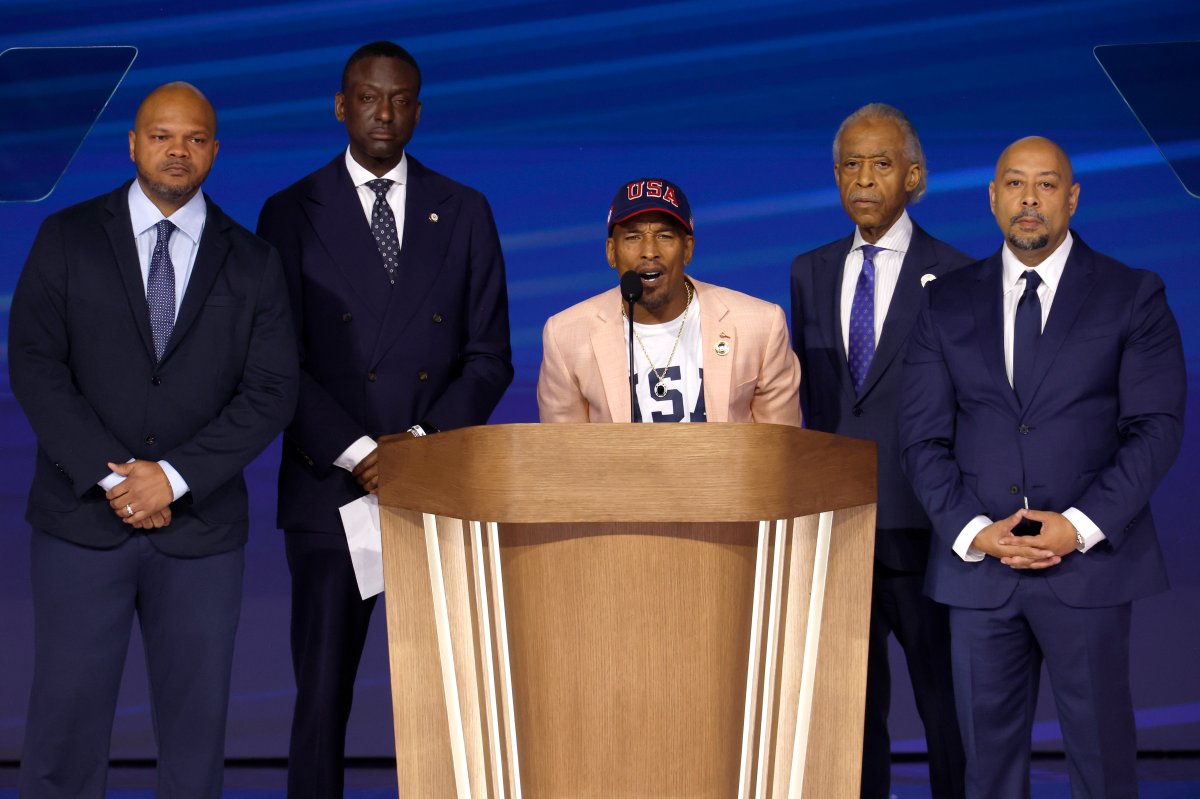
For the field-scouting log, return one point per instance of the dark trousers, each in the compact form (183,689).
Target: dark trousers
(998,656)
(329,630)
(899,607)
(84,602)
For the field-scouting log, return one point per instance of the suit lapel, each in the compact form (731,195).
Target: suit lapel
(608,345)
(337,218)
(430,217)
(905,303)
(210,258)
(1069,299)
(828,288)
(119,229)
(987,302)
(718,370)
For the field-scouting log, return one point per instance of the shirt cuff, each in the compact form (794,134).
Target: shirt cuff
(111,481)
(962,544)
(1085,526)
(355,453)
(179,486)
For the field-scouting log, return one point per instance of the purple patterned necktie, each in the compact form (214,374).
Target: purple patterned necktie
(383,227)
(160,289)
(862,320)
(1027,329)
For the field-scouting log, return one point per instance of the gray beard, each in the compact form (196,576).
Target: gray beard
(1028,242)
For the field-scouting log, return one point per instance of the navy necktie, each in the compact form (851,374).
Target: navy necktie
(862,320)
(160,289)
(1027,329)
(383,227)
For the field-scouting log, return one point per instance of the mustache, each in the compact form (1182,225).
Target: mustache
(175,162)
(869,196)
(1029,213)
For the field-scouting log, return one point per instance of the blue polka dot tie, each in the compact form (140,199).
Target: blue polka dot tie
(862,320)
(160,289)
(1027,329)
(383,227)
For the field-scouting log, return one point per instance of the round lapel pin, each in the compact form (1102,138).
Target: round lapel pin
(721,348)
(433,217)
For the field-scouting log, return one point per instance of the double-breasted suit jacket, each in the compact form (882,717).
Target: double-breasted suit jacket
(377,359)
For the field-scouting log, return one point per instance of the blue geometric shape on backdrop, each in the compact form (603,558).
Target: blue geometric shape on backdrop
(1161,83)
(51,96)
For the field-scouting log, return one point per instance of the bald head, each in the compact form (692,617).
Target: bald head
(1038,146)
(1033,197)
(173,143)
(177,94)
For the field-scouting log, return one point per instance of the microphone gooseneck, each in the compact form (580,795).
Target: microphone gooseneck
(631,291)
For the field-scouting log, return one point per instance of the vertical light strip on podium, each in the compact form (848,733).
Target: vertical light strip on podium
(775,631)
(492,706)
(812,641)
(441,613)
(752,670)
(510,723)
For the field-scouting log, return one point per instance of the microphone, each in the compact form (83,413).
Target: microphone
(631,287)
(631,291)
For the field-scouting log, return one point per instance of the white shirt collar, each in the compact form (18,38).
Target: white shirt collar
(360,175)
(1050,270)
(897,238)
(145,215)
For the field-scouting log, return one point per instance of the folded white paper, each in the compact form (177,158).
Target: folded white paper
(360,519)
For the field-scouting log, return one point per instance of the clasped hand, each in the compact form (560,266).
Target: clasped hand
(1041,551)
(143,499)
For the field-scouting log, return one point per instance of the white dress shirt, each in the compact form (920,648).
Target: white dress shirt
(1013,283)
(894,245)
(184,244)
(396,196)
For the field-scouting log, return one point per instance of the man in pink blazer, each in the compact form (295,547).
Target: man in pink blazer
(701,352)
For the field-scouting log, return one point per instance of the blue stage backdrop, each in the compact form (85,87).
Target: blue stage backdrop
(547,108)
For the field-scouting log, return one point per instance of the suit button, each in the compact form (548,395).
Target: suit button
(437,317)
(371,376)
(150,439)
(857,411)
(1014,489)
(422,376)
(156,380)
(347,316)
(1023,429)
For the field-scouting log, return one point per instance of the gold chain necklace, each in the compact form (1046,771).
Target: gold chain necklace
(660,390)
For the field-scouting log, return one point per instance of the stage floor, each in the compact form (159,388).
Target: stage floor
(1161,778)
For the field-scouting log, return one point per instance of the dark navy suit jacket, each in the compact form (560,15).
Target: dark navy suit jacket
(82,366)
(377,359)
(827,394)
(1100,429)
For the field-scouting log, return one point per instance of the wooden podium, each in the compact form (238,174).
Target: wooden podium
(618,610)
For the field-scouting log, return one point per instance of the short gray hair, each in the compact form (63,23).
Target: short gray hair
(912,144)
